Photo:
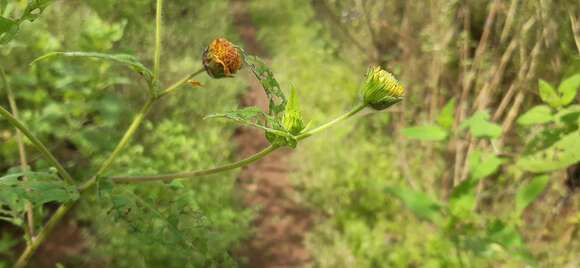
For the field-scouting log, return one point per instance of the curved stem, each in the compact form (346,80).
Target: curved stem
(341,118)
(42,235)
(238,164)
(38,144)
(179,83)
(204,172)
(29,231)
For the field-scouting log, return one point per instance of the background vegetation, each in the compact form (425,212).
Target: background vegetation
(477,167)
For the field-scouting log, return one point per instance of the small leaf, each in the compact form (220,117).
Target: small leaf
(480,127)
(537,115)
(568,89)
(482,165)
(462,200)
(447,115)
(422,205)
(528,193)
(6,25)
(429,133)
(252,116)
(124,59)
(548,94)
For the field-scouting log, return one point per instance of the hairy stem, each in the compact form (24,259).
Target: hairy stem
(29,231)
(238,164)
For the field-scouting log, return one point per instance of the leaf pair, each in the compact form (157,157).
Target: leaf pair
(565,94)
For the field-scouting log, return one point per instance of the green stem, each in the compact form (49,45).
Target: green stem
(158,34)
(29,230)
(205,172)
(37,144)
(42,235)
(238,164)
(179,83)
(121,145)
(341,118)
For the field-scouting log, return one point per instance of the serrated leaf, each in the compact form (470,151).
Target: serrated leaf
(568,89)
(39,188)
(447,115)
(561,154)
(421,204)
(9,28)
(124,59)
(537,115)
(548,94)
(528,193)
(480,126)
(429,133)
(276,98)
(482,164)
(34,9)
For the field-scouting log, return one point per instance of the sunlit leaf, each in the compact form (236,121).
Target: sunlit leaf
(528,193)
(568,89)
(447,115)
(480,126)
(428,133)
(548,94)
(537,115)
(421,204)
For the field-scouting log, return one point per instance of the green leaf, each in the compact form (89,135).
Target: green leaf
(482,164)
(39,188)
(568,89)
(429,133)
(8,29)
(462,200)
(421,204)
(548,94)
(528,193)
(537,115)
(561,154)
(34,9)
(480,127)
(447,115)
(276,98)
(124,59)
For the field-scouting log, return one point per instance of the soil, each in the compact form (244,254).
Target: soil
(281,222)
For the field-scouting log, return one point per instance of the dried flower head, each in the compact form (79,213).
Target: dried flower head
(221,59)
(381,89)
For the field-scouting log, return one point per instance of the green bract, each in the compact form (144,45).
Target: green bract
(381,89)
(292,119)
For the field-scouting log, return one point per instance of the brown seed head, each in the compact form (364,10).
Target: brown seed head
(221,59)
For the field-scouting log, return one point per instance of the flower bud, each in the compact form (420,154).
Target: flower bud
(381,89)
(221,59)
(292,118)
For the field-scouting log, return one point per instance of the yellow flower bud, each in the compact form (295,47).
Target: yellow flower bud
(221,59)
(381,89)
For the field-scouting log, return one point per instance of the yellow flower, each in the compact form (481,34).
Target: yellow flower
(381,89)
(221,59)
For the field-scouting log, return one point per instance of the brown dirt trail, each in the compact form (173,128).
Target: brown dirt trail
(281,223)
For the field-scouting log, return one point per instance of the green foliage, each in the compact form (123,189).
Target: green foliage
(429,132)
(447,115)
(419,203)
(480,127)
(10,27)
(528,193)
(540,114)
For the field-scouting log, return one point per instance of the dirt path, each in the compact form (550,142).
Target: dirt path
(281,223)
